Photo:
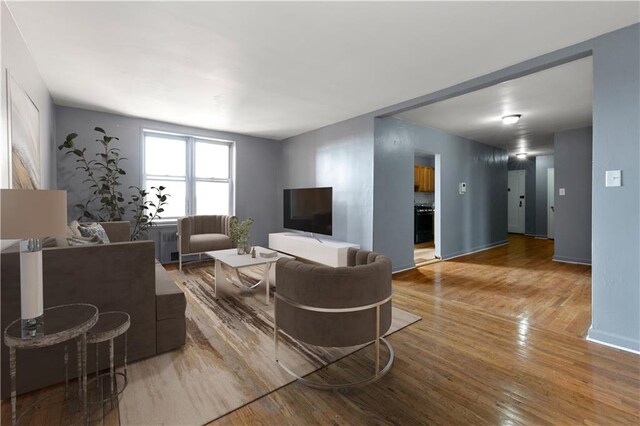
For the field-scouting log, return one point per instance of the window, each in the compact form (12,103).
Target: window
(196,173)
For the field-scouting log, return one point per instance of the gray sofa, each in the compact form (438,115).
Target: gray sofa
(121,276)
(198,234)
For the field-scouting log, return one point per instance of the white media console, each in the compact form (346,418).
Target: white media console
(325,252)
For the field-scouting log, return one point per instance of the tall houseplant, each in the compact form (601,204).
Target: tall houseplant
(239,233)
(106,201)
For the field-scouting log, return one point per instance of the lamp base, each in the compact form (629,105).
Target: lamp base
(32,327)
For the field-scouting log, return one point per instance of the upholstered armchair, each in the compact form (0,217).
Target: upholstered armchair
(335,307)
(198,234)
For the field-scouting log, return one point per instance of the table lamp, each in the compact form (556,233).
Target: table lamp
(29,215)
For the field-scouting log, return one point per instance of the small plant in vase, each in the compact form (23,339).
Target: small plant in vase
(239,233)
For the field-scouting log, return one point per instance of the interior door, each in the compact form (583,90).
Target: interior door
(551,203)
(516,201)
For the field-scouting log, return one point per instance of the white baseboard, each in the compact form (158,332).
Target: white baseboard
(619,339)
(489,247)
(574,261)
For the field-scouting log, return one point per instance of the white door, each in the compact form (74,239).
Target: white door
(551,203)
(516,201)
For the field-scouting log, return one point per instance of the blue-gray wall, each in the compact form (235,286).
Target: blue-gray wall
(543,163)
(529,166)
(573,164)
(340,156)
(468,222)
(616,211)
(257,162)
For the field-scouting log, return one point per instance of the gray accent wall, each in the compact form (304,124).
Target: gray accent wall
(573,164)
(256,173)
(529,166)
(340,156)
(616,211)
(17,61)
(543,163)
(464,223)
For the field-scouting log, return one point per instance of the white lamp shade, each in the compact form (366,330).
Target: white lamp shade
(32,213)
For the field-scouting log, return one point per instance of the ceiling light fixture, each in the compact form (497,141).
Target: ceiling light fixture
(511,119)
(521,156)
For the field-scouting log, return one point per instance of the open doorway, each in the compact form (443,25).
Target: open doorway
(424,208)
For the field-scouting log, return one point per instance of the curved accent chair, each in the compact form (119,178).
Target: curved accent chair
(335,307)
(198,234)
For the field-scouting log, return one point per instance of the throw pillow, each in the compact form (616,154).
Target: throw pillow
(84,241)
(73,229)
(94,229)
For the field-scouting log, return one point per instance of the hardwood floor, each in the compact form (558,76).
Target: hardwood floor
(500,342)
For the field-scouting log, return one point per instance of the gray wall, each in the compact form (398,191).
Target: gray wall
(17,60)
(543,163)
(529,166)
(468,222)
(616,211)
(573,164)
(257,162)
(340,156)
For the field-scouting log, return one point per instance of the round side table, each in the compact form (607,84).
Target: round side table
(60,324)
(109,326)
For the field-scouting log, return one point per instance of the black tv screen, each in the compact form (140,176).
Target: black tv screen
(309,210)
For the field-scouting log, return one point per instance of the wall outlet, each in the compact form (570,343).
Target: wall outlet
(561,192)
(462,188)
(613,178)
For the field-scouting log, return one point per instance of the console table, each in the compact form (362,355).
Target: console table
(326,252)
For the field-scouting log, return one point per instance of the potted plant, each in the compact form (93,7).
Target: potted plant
(239,233)
(106,201)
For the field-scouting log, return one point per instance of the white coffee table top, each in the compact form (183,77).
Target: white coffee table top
(231,257)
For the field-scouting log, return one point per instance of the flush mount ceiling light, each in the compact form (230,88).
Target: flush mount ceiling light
(521,156)
(511,119)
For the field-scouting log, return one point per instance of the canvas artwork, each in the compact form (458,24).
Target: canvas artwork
(24,138)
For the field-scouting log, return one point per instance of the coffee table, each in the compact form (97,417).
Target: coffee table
(235,261)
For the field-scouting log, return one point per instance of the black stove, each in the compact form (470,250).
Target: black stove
(423,223)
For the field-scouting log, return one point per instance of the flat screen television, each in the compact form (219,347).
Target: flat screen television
(309,210)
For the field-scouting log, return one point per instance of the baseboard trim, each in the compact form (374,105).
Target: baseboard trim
(404,269)
(575,261)
(476,250)
(608,339)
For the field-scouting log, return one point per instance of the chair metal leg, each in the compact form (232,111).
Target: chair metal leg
(377,340)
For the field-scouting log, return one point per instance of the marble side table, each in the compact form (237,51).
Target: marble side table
(60,324)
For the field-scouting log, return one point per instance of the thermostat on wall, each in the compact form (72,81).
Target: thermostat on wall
(462,188)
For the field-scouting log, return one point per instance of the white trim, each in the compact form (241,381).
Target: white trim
(574,262)
(500,244)
(611,345)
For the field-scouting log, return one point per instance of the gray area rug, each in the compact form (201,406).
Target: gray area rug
(228,360)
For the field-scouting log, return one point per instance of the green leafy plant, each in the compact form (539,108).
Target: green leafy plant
(107,202)
(239,231)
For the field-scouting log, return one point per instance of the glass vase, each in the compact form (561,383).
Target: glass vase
(241,246)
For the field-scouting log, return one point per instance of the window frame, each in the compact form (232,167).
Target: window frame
(190,178)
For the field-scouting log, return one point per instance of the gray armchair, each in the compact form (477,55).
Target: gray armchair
(335,307)
(198,234)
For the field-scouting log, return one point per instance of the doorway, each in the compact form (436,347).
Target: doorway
(516,201)
(551,203)
(424,208)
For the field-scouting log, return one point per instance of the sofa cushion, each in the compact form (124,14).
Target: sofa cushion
(208,242)
(170,300)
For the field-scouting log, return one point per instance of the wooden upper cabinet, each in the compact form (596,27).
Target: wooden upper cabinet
(424,179)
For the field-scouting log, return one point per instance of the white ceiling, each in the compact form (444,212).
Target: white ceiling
(280,69)
(556,99)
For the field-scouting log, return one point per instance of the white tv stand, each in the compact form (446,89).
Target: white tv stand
(326,252)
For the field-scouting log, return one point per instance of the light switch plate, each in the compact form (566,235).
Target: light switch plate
(561,192)
(613,178)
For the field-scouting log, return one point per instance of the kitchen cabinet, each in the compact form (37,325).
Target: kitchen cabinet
(424,179)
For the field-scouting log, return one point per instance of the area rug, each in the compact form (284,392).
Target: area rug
(228,359)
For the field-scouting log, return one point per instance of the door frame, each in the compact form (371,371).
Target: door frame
(551,203)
